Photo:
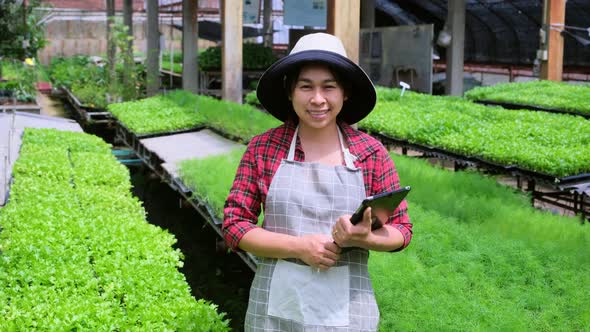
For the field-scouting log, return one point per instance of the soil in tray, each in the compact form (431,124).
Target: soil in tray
(212,274)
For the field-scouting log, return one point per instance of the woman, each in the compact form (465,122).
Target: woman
(309,175)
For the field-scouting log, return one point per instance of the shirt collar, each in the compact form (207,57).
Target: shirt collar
(358,144)
(357,141)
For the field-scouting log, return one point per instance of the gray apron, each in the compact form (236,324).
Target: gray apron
(288,295)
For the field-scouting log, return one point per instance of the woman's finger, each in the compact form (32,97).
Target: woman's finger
(367,216)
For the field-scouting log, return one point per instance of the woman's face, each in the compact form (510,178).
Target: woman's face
(317,97)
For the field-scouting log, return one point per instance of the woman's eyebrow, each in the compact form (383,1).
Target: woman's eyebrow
(309,80)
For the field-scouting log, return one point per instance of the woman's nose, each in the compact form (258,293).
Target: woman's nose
(318,97)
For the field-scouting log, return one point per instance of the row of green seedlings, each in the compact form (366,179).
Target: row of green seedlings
(481,258)
(549,143)
(181,110)
(89,82)
(255,57)
(176,64)
(554,144)
(547,94)
(77,252)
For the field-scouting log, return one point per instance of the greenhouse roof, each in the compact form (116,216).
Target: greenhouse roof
(498,31)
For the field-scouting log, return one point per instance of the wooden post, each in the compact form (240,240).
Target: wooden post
(552,69)
(231,50)
(153,49)
(267,23)
(128,21)
(367,14)
(343,21)
(129,62)
(455,51)
(190,37)
(111,48)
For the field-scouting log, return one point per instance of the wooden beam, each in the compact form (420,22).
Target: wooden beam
(231,50)
(552,69)
(367,14)
(153,49)
(343,21)
(190,37)
(267,23)
(455,51)
(128,59)
(128,21)
(111,47)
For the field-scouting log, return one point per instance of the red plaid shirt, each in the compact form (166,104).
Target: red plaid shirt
(261,161)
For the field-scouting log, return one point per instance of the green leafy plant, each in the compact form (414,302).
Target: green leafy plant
(176,67)
(66,71)
(481,256)
(125,83)
(255,56)
(77,252)
(20,80)
(180,110)
(555,144)
(237,121)
(549,94)
(252,99)
(22,33)
(89,82)
(174,111)
(91,95)
(176,57)
(214,187)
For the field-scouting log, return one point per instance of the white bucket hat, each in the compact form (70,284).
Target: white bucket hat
(317,48)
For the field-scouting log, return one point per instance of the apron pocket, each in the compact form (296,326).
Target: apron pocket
(300,293)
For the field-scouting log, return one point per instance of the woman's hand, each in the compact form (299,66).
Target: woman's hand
(346,234)
(319,251)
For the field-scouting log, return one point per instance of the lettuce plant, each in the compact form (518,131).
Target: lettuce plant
(547,94)
(554,144)
(77,252)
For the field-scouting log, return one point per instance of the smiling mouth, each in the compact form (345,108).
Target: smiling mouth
(318,114)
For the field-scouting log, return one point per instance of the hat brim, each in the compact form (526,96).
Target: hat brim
(273,95)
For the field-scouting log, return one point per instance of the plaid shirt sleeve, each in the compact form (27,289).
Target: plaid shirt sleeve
(242,206)
(380,176)
(385,178)
(253,177)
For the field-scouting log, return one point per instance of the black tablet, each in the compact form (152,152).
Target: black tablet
(388,201)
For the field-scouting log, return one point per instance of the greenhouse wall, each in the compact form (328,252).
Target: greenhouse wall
(138,5)
(73,32)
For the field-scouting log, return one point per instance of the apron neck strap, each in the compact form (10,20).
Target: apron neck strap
(348,157)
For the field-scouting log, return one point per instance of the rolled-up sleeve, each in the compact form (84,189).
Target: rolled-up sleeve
(387,179)
(242,207)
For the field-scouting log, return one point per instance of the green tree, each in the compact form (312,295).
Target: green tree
(124,81)
(21,32)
